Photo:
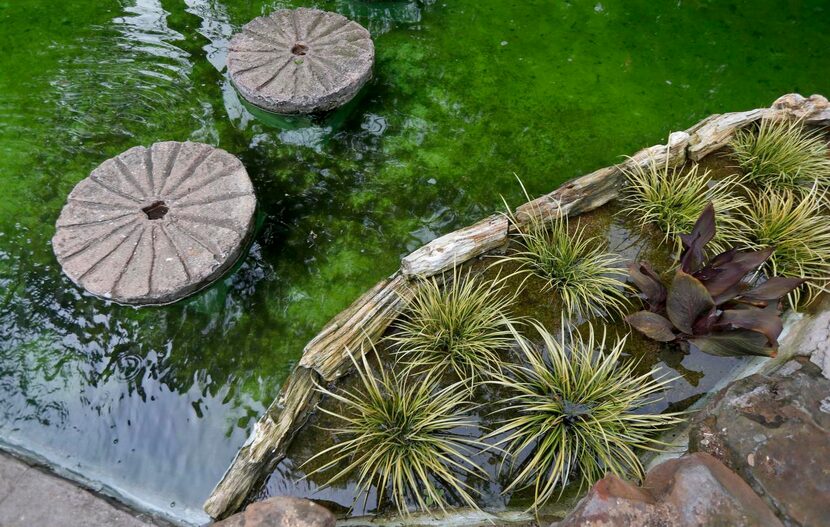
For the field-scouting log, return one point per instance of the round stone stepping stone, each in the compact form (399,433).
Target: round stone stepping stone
(154,225)
(298,61)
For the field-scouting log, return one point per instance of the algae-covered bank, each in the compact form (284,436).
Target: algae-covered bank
(152,404)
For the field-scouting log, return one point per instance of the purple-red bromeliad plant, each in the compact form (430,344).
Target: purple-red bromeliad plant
(715,305)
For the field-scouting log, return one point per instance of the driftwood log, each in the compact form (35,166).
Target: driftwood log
(325,358)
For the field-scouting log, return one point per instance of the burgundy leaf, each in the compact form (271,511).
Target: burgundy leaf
(734,344)
(723,258)
(694,242)
(773,289)
(652,325)
(704,322)
(732,268)
(649,284)
(763,321)
(687,300)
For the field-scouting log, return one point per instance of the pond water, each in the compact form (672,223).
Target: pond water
(155,402)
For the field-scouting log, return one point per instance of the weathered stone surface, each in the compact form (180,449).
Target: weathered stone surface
(693,491)
(30,497)
(810,337)
(774,431)
(154,225)
(298,61)
(281,512)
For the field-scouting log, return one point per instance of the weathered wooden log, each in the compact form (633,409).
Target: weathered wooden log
(367,318)
(716,133)
(267,445)
(325,359)
(814,110)
(455,248)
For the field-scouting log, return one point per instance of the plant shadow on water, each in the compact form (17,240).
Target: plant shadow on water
(155,402)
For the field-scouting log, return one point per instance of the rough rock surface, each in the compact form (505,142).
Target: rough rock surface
(774,431)
(281,512)
(153,225)
(695,490)
(299,61)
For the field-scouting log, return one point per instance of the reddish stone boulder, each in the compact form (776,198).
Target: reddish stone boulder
(693,491)
(774,431)
(281,512)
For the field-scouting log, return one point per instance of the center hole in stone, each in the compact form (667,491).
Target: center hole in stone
(299,49)
(156,211)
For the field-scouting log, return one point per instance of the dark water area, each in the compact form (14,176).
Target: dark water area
(467,95)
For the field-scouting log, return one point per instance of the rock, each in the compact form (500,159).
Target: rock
(281,512)
(774,431)
(154,225)
(695,490)
(810,337)
(300,61)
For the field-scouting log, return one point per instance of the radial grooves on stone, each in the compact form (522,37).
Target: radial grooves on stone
(335,63)
(213,199)
(178,252)
(96,222)
(130,177)
(217,254)
(216,222)
(129,260)
(207,215)
(106,255)
(201,157)
(112,190)
(148,161)
(172,159)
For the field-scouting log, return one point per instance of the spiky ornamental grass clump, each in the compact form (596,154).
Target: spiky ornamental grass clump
(575,413)
(461,325)
(782,154)
(672,200)
(402,438)
(588,279)
(797,230)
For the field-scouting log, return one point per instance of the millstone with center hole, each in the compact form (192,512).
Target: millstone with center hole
(154,225)
(299,61)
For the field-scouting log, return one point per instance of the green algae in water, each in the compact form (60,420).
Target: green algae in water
(466,93)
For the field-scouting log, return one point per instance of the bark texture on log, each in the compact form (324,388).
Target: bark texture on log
(366,319)
(267,445)
(455,248)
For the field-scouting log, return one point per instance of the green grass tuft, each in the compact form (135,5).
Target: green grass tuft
(461,325)
(783,155)
(402,438)
(795,226)
(576,267)
(672,200)
(575,413)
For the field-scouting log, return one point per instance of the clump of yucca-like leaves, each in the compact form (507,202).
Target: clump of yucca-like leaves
(672,200)
(575,412)
(461,325)
(402,438)
(798,231)
(576,267)
(782,154)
